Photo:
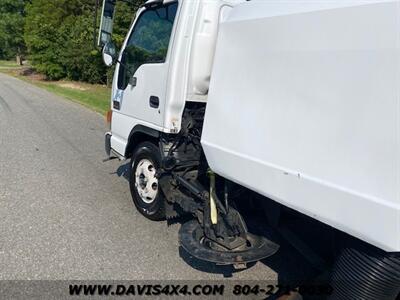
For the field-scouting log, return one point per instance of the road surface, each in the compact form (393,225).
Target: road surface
(65,214)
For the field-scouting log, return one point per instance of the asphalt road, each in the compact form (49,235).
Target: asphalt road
(65,214)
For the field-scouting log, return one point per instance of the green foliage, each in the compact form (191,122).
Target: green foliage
(124,16)
(12,19)
(80,60)
(59,38)
(95,97)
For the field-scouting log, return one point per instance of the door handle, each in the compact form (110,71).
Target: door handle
(154,102)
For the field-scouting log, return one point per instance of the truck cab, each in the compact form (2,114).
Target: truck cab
(165,62)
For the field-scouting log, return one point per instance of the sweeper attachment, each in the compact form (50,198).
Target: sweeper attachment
(218,232)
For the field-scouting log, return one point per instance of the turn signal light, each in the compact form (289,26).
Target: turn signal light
(109,116)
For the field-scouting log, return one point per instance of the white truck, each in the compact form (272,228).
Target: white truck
(290,105)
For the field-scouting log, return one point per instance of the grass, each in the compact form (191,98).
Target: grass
(93,96)
(8,64)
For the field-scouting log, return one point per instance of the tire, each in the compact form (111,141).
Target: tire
(362,271)
(146,193)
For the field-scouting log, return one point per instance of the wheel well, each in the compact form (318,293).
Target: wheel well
(141,134)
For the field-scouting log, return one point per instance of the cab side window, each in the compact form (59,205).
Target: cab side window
(148,42)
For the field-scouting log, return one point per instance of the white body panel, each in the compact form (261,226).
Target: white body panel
(192,55)
(304,108)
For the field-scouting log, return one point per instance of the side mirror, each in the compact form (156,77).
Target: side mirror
(109,54)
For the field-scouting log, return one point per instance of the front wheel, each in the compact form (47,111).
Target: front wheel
(146,193)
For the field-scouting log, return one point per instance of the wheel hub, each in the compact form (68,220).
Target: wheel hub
(146,182)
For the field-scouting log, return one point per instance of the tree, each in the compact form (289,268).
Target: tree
(80,59)
(59,37)
(12,19)
(41,36)
(123,18)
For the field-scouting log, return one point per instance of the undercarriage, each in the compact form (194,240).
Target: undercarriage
(218,233)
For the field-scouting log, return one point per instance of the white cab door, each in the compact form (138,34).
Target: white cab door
(140,82)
